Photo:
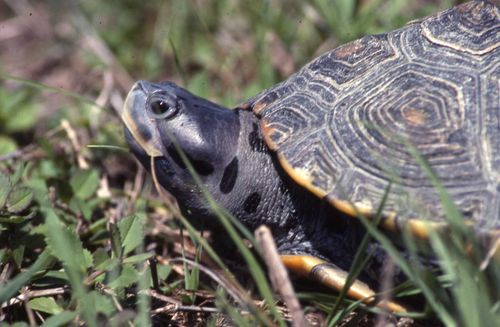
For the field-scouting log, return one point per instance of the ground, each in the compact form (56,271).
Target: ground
(85,236)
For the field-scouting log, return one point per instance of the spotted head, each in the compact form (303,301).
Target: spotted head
(162,120)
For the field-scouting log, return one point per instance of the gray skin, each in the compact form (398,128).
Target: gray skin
(227,151)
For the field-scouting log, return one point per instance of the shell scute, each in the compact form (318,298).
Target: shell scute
(342,126)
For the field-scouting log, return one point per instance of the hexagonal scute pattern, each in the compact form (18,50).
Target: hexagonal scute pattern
(346,123)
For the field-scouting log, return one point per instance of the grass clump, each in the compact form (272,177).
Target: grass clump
(84,241)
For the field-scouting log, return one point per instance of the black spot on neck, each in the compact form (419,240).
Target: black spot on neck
(174,155)
(202,167)
(229,176)
(251,203)
(256,142)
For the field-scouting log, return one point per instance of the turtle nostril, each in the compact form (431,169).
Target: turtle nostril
(141,86)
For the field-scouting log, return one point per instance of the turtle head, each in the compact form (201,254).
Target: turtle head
(164,121)
(228,153)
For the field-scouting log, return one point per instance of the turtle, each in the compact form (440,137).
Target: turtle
(334,141)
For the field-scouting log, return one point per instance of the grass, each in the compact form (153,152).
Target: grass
(80,221)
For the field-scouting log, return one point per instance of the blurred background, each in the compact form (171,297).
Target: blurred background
(221,49)
(65,68)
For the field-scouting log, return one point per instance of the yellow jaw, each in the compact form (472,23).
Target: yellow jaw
(127,117)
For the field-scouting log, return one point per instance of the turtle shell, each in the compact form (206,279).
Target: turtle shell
(345,125)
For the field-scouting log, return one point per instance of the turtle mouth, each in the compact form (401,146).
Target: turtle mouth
(137,133)
(134,146)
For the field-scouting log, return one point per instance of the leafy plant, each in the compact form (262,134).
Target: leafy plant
(18,113)
(77,240)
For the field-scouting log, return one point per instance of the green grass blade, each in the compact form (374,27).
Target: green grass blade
(253,265)
(143,301)
(59,245)
(470,286)
(44,87)
(44,261)
(213,255)
(407,268)
(359,262)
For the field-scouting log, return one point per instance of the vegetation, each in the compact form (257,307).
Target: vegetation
(85,236)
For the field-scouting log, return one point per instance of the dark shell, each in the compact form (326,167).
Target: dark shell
(343,125)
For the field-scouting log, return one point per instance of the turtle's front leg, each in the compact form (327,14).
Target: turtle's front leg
(335,278)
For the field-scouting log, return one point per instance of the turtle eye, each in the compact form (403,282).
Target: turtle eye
(162,109)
